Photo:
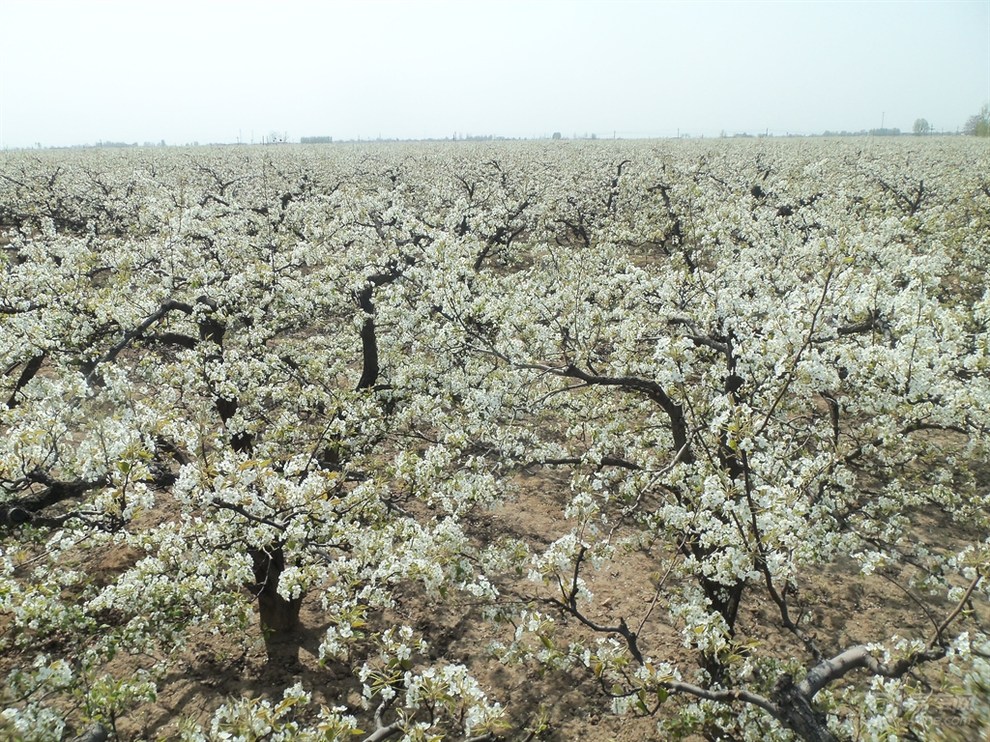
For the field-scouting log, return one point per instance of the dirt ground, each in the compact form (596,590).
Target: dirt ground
(564,706)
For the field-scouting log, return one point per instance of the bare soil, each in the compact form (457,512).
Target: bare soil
(845,609)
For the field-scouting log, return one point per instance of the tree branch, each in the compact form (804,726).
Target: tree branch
(577,460)
(569,605)
(651,389)
(30,369)
(21,510)
(724,696)
(110,355)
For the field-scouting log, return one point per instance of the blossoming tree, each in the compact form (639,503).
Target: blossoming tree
(257,392)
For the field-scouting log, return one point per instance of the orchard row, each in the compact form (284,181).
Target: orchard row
(652,419)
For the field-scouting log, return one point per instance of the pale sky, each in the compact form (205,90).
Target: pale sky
(79,71)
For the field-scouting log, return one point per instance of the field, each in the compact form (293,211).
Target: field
(528,441)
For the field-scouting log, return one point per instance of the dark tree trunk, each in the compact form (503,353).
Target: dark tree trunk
(30,369)
(227,408)
(726,601)
(279,616)
(797,713)
(369,341)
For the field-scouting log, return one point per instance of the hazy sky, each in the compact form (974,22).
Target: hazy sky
(78,71)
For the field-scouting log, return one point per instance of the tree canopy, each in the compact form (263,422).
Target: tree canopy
(399,441)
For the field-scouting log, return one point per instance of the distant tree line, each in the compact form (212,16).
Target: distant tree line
(979,124)
(316,140)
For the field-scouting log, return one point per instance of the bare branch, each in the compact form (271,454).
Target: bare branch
(937,636)
(569,605)
(856,658)
(383,731)
(577,460)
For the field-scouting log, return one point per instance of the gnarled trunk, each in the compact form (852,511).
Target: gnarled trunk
(797,713)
